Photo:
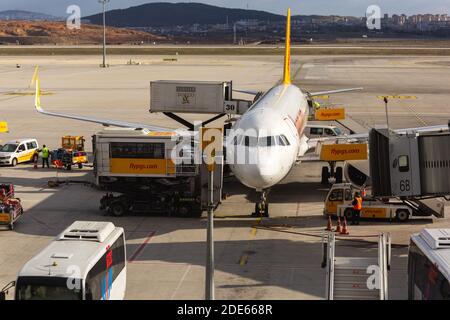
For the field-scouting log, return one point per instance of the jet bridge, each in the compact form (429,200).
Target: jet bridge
(414,167)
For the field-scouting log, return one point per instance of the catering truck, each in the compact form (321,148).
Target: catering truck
(147,172)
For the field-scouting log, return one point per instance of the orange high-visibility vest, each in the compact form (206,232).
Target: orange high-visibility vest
(358,205)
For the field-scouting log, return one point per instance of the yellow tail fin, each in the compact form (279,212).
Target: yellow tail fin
(287,56)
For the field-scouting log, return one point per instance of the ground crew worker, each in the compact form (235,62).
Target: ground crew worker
(316,105)
(45,155)
(357,206)
(363,192)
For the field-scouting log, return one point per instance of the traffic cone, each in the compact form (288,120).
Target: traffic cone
(329,224)
(339,227)
(345,227)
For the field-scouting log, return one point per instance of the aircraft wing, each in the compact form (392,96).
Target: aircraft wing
(105,122)
(324,93)
(250,92)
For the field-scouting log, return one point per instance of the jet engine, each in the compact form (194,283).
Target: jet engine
(357,172)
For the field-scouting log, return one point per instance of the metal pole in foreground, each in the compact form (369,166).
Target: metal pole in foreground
(209,289)
(387,114)
(103,2)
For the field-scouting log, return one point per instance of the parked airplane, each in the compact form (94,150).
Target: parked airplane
(278,118)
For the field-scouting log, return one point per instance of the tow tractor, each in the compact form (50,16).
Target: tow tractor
(71,153)
(10,207)
(339,203)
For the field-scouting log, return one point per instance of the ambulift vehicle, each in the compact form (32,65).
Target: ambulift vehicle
(71,153)
(339,203)
(10,207)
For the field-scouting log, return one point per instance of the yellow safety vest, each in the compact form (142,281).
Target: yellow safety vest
(45,152)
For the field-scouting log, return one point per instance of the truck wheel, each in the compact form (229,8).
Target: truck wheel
(80,166)
(339,174)
(402,215)
(325,175)
(348,213)
(118,209)
(14,162)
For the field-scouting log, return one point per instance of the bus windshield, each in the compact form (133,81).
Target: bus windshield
(46,288)
(9,147)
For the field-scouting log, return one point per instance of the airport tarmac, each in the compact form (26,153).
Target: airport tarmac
(275,258)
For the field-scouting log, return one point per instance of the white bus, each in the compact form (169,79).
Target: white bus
(87,261)
(429,265)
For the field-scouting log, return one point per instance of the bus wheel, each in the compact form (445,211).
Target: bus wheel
(118,209)
(402,215)
(348,213)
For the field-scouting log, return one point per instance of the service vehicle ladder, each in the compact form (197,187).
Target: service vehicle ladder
(356,278)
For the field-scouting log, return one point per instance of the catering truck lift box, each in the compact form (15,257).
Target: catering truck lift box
(141,166)
(207,97)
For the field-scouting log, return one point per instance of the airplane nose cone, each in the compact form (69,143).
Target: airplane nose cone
(267,172)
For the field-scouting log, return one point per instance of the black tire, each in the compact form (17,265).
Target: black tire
(69,167)
(118,209)
(257,212)
(80,166)
(14,162)
(402,215)
(348,213)
(325,175)
(339,175)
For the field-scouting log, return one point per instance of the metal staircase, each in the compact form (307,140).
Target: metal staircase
(350,278)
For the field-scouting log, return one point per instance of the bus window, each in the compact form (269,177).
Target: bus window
(39,288)
(100,278)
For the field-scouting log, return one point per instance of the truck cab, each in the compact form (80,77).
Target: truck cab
(339,203)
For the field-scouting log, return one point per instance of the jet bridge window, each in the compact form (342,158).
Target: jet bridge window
(403,164)
(129,150)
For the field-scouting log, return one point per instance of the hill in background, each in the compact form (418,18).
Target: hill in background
(173,14)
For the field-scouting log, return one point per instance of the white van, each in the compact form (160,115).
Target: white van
(18,151)
(319,131)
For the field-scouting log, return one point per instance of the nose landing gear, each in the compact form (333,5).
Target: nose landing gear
(262,206)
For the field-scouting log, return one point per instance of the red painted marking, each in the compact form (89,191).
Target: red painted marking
(141,247)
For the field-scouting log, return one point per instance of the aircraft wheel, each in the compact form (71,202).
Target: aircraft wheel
(325,175)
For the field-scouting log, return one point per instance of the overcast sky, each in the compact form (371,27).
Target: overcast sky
(327,7)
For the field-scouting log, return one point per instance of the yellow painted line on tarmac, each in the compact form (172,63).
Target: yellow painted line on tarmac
(244,257)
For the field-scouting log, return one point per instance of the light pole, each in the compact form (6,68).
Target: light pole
(104,2)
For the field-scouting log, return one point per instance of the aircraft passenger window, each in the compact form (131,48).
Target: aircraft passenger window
(336,195)
(316,131)
(403,163)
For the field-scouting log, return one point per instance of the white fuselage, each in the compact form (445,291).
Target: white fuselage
(260,162)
